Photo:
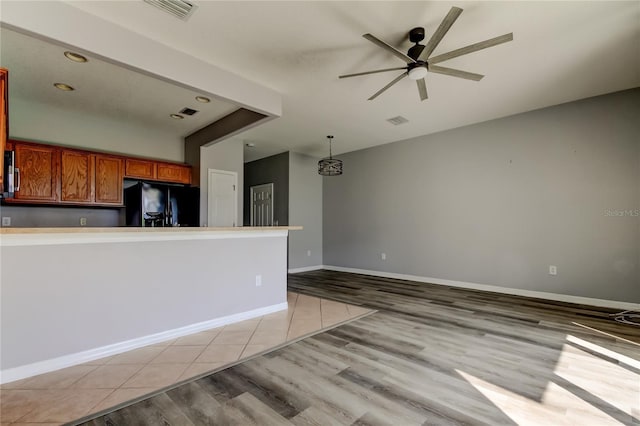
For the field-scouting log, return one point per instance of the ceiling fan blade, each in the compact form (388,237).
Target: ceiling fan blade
(388,48)
(371,72)
(455,73)
(472,48)
(394,81)
(422,89)
(442,30)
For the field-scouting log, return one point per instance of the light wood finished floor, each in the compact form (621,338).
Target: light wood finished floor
(68,394)
(431,355)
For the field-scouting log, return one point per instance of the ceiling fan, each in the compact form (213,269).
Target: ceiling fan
(419,60)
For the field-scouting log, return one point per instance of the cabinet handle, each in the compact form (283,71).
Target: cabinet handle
(17,188)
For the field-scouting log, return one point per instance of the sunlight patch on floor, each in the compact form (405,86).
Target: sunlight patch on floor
(520,409)
(586,371)
(576,391)
(604,351)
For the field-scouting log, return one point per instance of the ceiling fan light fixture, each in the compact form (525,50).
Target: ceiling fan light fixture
(417,73)
(330,166)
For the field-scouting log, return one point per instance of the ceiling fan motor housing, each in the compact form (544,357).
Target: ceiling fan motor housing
(416,35)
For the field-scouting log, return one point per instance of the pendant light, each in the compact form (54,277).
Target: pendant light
(330,166)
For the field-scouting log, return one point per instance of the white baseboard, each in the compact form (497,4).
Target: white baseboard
(485,287)
(306,269)
(40,367)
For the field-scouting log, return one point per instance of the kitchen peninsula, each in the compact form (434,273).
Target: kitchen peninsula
(71,295)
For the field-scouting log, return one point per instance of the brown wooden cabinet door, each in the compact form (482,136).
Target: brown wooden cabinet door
(4,122)
(109,176)
(174,173)
(37,178)
(141,169)
(77,179)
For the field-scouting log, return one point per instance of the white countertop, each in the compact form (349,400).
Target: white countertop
(53,236)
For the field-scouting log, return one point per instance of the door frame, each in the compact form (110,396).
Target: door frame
(211,172)
(273,204)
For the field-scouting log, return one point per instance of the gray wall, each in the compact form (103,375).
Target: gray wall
(52,217)
(85,296)
(226,155)
(274,169)
(498,202)
(305,208)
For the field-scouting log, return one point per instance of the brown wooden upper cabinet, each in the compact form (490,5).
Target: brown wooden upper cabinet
(37,172)
(140,169)
(109,179)
(89,178)
(156,170)
(174,173)
(48,174)
(77,177)
(4,119)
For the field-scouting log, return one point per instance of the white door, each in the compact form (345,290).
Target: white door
(222,198)
(262,205)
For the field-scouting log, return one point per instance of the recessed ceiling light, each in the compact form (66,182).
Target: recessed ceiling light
(203,99)
(250,144)
(176,116)
(75,57)
(64,87)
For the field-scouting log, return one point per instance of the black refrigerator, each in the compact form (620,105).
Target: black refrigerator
(160,205)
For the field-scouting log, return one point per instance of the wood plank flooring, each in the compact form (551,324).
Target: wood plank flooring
(431,355)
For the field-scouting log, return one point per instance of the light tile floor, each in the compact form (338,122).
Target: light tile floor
(74,392)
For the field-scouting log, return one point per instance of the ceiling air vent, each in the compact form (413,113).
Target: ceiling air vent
(178,8)
(396,121)
(188,111)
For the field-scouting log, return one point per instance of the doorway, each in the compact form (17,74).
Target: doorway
(222,198)
(262,205)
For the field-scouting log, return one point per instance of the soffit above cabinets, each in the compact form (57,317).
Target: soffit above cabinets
(102,89)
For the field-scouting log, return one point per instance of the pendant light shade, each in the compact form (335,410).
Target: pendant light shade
(330,166)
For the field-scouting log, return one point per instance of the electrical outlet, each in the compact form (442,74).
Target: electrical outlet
(383,256)
(83,221)
(553,270)
(258,280)
(6,221)
(308,252)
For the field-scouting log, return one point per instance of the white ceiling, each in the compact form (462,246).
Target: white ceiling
(562,51)
(102,89)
